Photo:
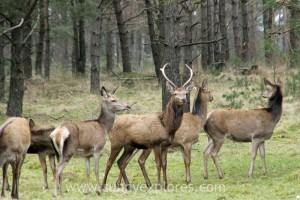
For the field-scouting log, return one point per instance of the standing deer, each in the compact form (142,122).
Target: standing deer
(41,144)
(185,136)
(254,126)
(14,143)
(88,136)
(147,131)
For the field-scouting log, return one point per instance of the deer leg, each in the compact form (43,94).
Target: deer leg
(214,154)
(113,155)
(5,180)
(96,166)
(58,174)
(262,155)
(164,153)
(87,169)
(255,144)
(157,154)
(122,164)
(186,151)
(206,154)
(118,182)
(52,164)
(142,159)
(16,175)
(42,158)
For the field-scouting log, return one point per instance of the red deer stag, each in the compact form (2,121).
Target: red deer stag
(146,131)
(254,126)
(14,143)
(185,136)
(41,144)
(87,136)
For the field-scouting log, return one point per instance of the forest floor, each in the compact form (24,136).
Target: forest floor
(67,99)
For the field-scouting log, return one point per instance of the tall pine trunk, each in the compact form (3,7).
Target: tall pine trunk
(153,38)
(236,28)
(216,22)
(27,50)
(204,37)
(47,60)
(122,36)
(224,52)
(95,53)
(82,50)
(16,91)
(40,44)
(2,69)
(245,31)
(252,29)
(295,36)
(109,45)
(268,16)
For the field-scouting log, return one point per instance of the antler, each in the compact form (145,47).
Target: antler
(163,72)
(190,75)
(114,91)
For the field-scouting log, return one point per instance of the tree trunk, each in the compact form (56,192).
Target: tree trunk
(223,30)
(40,44)
(122,36)
(47,42)
(171,52)
(75,45)
(210,31)
(204,37)
(236,28)
(26,52)
(188,50)
(252,29)
(245,31)
(2,68)
(81,31)
(153,39)
(294,35)
(95,53)
(16,92)
(268,16)
(109,45)
(217,59)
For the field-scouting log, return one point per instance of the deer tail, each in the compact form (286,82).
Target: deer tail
(6,123)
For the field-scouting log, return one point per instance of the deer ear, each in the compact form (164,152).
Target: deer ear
(279,82)
(204,84)
(267,82)
(103,92)
(170,87)
(190,87)
(31,124)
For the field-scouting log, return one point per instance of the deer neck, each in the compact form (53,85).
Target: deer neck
(106,117)
(172,117)
(200,107)
(275,105)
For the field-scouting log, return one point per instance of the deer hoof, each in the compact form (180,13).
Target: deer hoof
(158,186)
(98,192)
(149,185)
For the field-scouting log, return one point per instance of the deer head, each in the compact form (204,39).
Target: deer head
(178,93)
(113,103)
(205,92)
(271,89)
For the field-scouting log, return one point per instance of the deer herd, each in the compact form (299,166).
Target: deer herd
(157,131)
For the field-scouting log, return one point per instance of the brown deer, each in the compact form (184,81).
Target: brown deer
(41,144)
(146,131)
(185,136)
(14,143)
(254,126)
(87,136)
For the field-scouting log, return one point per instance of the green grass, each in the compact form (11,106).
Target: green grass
(62,100)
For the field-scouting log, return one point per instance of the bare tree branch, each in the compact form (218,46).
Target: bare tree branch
(14,27)
(203,42)
(127,20)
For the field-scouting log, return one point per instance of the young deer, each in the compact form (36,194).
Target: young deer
(88,136)
(185,136)
(14,143)
(41,144)
(146,131)
(254,126)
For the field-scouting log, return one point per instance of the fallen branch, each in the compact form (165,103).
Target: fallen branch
(14,27)
(203,42)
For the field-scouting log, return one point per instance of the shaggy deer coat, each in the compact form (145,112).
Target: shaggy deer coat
(254,126)
(14,143)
